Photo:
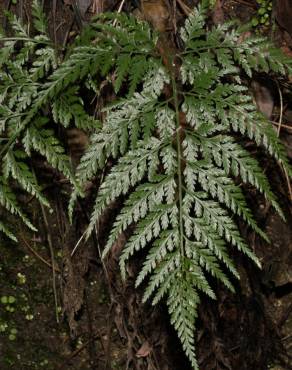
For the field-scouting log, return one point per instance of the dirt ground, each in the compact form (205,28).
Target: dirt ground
(82,316)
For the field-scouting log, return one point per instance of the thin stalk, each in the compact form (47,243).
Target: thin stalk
(53,262)
(179,166)
(208,47)
(28,39)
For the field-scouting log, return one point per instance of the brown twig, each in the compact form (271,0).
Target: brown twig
(282,125)
(50,243)
(38,256)
(288,183)
(77,351)
(281,109)
(278,134)
(245,3)
(184,7)
(97,6)
(54,20)
(64,43)
(6,7)
(119,10)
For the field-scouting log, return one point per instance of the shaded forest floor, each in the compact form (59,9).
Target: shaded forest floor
(82,316)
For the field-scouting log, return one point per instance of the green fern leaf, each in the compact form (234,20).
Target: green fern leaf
(43,141)
(183,197)
(128,172)
(123,63)
(44,62)
(182,304)
(8,201)
(168,153)
(13,164)
(39,19)
(139,67)
(4,229)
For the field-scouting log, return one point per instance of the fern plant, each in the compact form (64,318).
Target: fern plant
(178,159)
(27,59)
(171,132)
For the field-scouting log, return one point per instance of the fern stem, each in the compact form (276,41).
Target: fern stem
(209,47)
(10,143)
(179,166)
(28,39)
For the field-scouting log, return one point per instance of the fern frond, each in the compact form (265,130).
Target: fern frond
(123,64)
(213,215)
(138,70)
(239,162)
(5,230)
(168,152)
(20,29)
(145,198)
(128,172)
(20,33)
(194,27)
(256,53)
(6,51)
(70,107)
(264,130)
(13,164)
(182,305)
(209,262)
(43,141)
(39,19)
(161,279)
(184,213)
(8,201)
(161,247)
(118,133)
(45,61)
(93,158)
(221,187)
(147,229)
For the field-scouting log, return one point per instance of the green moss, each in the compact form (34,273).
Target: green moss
(263,16)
